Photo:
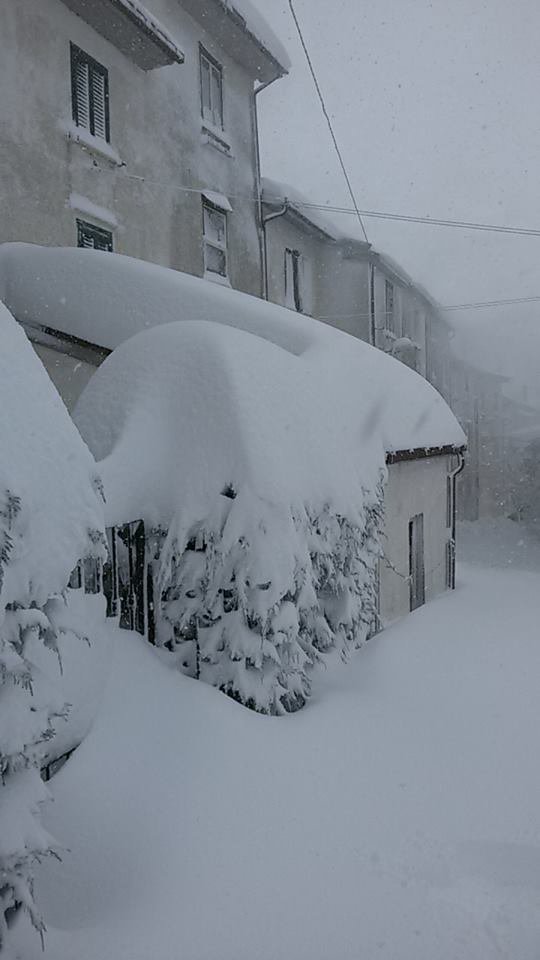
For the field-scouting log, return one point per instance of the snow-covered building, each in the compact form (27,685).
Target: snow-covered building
(133,128)
(314,268)
(209,399)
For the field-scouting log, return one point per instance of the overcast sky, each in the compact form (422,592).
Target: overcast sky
(435,108)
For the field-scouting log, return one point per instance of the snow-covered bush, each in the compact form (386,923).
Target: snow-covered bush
(254,593)
(50,516)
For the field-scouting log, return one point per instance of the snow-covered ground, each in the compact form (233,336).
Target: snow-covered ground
(396,816)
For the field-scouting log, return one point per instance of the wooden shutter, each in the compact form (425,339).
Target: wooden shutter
(82,95)
(99,107)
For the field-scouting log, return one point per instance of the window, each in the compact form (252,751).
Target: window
(214,240)
(94,237)
(294,271)
(211,89)
(389,304)
(89,94)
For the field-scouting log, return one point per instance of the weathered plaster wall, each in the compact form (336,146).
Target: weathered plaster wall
(156,128)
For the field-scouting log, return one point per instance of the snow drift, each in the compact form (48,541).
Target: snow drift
(50,516)
(107,298)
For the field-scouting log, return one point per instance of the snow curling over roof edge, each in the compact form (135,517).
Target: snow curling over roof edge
(180,412)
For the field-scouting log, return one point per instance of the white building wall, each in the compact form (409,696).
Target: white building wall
(156,129)
(413,487)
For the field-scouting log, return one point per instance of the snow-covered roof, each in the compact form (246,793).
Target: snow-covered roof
(132,28)
(46,465)
(274,192)
(106,298)
(240,28)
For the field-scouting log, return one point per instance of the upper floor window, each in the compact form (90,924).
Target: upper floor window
(214,240)
(211,89)
(294,272)
(89,94)
(94,237)
(389,304)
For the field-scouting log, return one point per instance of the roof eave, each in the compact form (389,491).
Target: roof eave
(131,29)
(233,34)
(425,453)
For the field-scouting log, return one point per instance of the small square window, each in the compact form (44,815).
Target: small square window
(211,89)
(89,94)
(214,240)
(88,235)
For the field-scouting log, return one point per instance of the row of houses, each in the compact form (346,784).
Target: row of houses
(135,131)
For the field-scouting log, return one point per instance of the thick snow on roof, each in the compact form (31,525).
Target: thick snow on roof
(275,191)
(180,412)
(44,462)
(356,394)
(257,25)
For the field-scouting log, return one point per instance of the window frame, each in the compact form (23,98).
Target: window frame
(389,301)
(94,68)
(223,247)
(216,68)
(100,233)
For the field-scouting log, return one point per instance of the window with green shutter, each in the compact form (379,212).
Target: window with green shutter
(90,94)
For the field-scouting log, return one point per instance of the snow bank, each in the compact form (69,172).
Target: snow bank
(46,465)
(395,817)
(179,413)
(107,298)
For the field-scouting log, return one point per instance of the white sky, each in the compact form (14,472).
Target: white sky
(435,108)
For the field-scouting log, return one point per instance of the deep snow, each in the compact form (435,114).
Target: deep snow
(396,816)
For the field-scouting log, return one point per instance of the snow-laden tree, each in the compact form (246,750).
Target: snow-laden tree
(50,516)
(255,593)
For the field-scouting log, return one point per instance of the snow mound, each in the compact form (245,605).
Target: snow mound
(107,298)
(46,465)
(395,817)
(179,413)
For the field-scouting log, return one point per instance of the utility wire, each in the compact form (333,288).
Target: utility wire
(329,208)
(327,118)
(481,305)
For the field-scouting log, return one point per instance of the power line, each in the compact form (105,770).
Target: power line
(330,208)
(479,305)
(491,303)
(327,118)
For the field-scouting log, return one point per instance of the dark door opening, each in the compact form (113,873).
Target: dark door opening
(416,561)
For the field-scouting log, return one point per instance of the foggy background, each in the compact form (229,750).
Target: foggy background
(434,107)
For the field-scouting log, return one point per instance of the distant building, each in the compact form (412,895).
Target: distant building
(312,268)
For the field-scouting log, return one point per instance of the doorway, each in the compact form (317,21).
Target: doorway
(416,561)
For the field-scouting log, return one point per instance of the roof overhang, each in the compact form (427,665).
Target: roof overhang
(424,453)
(131,28)
(224,21)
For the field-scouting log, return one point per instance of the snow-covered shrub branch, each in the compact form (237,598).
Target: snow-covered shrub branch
(50,517)
(255,593)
